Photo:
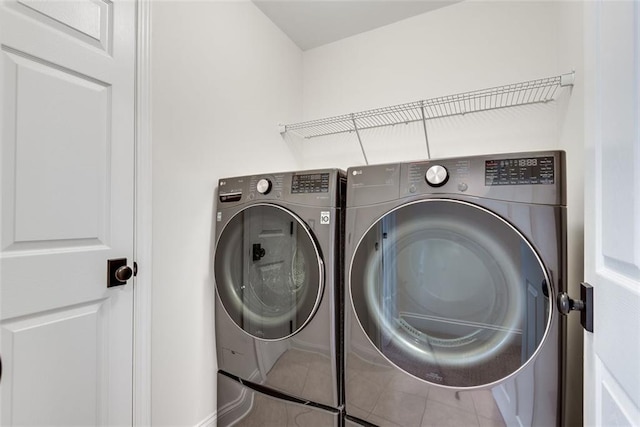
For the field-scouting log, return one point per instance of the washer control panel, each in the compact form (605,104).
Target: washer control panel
(310,183)
(319,187)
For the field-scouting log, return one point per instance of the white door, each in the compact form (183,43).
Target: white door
(67,73)
(612,212)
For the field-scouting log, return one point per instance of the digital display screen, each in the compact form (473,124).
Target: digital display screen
(524,171)
(310,183)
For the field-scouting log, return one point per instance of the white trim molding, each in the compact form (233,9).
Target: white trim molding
(143,229)
(210,421)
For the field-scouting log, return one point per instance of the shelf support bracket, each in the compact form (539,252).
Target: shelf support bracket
(355,128)
(568,79)
(424,127)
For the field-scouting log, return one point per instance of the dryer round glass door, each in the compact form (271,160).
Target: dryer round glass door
(450,293)
(268,270)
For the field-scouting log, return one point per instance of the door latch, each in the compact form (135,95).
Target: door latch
(584,305)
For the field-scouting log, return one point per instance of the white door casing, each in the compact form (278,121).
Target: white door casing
(67,112)
(612,212)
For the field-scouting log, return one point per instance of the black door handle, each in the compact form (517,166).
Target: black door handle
(118,272)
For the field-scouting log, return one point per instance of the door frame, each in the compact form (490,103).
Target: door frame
(141,407)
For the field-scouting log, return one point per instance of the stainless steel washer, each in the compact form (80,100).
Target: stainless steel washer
(453,268)
(278,270)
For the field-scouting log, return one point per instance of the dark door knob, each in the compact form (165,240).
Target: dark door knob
(124,273)
(118,272)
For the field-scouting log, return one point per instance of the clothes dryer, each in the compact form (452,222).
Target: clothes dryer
(453,266)
(278,269)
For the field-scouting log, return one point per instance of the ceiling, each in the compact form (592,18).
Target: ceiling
(313,23)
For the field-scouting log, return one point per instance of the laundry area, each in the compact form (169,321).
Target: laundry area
(306,213)
(488,78)
(427,207)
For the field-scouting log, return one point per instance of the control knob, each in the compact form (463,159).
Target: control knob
(263,186)
(437,176)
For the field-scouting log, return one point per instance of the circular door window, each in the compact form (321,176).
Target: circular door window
(450,293)
(268,271)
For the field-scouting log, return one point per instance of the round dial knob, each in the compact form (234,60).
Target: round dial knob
(263,186)
(437,176)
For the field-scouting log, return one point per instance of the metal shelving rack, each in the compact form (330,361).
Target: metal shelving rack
(516,94)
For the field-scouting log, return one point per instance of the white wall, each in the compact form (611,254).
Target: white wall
(222,78)
(459,48)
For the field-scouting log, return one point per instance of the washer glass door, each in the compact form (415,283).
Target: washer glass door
(268,271)
(450,293)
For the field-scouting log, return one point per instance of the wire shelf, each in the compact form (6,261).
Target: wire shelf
(524,93)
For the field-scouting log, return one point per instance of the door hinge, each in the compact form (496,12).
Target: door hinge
(584,305)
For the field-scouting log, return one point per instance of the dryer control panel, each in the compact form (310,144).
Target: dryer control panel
(519,171)
(530,177)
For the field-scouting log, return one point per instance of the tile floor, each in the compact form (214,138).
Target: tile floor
(303,374)
(377,394)
(385,397)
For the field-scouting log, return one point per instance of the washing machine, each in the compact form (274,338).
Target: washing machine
(452,268)
(278,305)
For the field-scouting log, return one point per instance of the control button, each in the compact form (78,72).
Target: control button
(437,176)
(263,186)
(412,189)
(463,186)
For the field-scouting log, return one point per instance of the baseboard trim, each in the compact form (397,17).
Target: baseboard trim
(210,421)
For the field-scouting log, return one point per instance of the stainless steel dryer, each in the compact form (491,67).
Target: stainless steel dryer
(278,269)
(453,266)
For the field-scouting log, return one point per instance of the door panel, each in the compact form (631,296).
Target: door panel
(46,346)
(87,21)
(612,212)
(65,205)
(67,70)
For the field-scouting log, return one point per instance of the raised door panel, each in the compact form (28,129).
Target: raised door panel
(88,21)
(56,178)
(47,346)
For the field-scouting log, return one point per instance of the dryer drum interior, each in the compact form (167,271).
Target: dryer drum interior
(270,275)
(450,293)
